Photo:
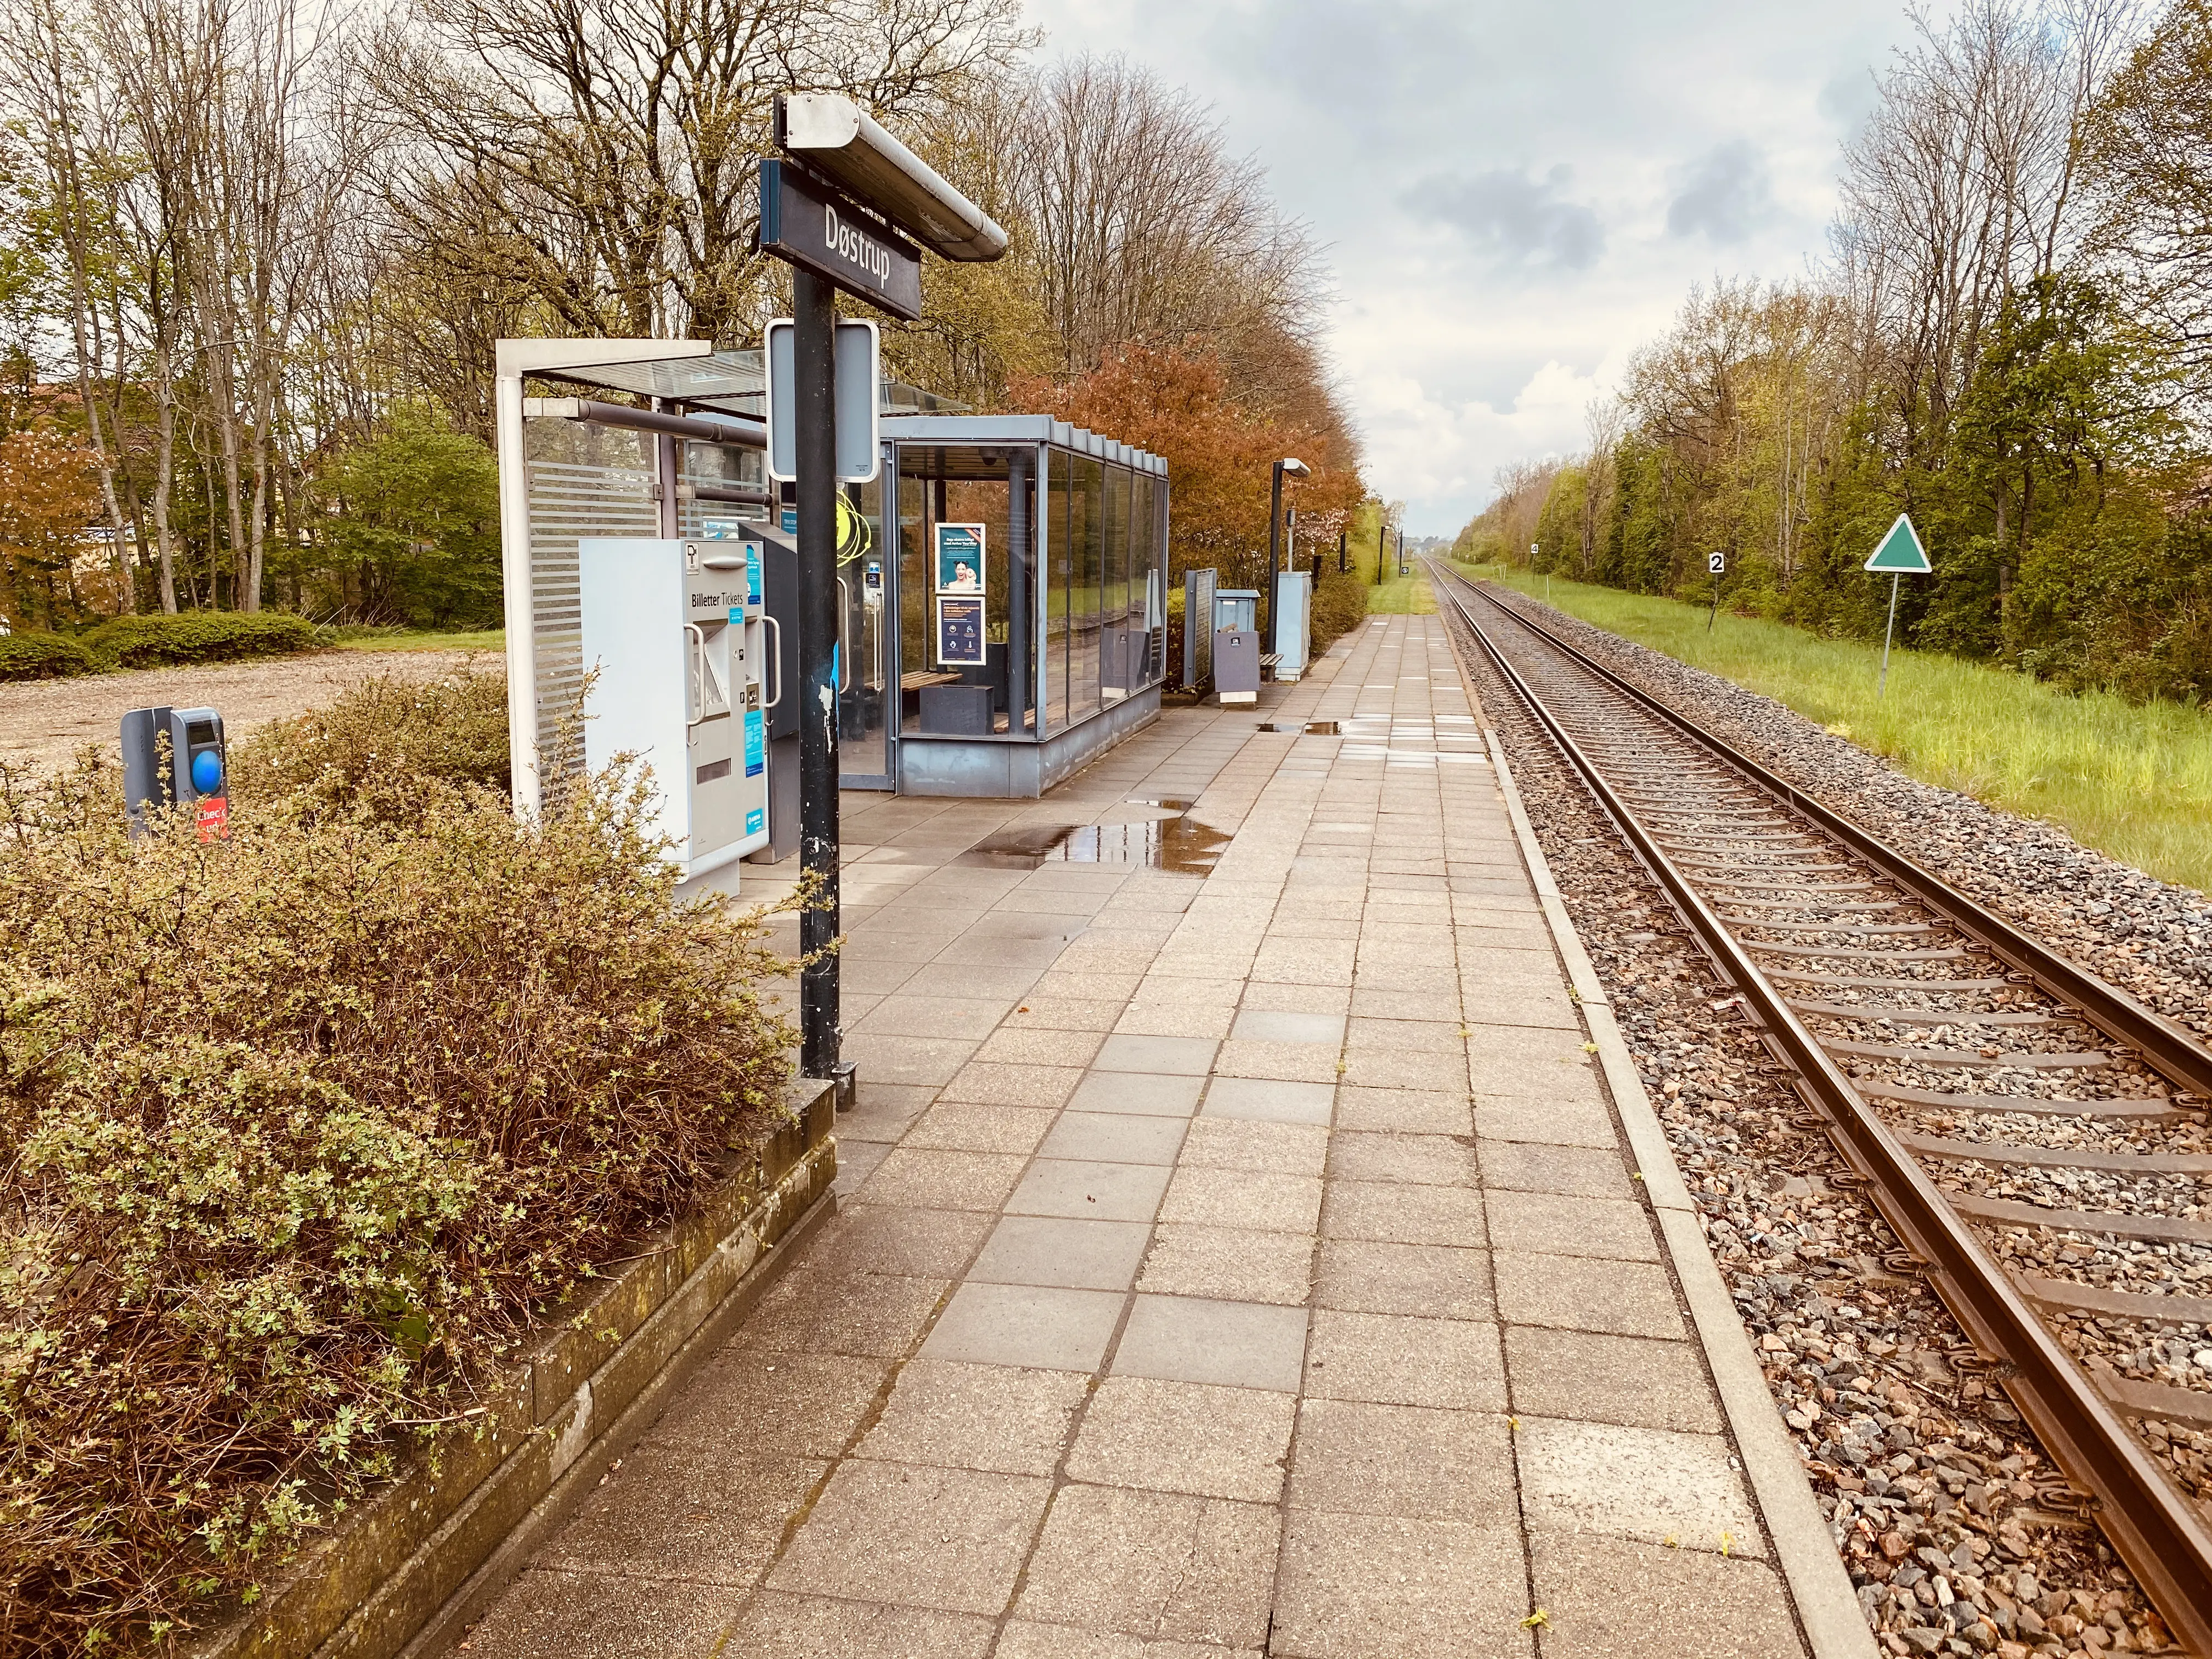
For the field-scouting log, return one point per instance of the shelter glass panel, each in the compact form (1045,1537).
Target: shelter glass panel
(914,595)
(1060,518)
(1086,535)
(971,490)
(866,654)
(1114,607)
(1147,589)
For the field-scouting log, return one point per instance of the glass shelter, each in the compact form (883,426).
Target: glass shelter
(1030,590)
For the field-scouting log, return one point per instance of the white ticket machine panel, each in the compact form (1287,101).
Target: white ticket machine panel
(676,631)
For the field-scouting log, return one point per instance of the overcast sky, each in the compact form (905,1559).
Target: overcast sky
(1514,193)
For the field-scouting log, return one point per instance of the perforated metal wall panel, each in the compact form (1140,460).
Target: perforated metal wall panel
(584,481)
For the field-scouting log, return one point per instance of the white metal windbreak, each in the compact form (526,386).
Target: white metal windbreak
(545,504)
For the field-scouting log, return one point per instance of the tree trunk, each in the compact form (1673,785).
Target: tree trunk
(165,470)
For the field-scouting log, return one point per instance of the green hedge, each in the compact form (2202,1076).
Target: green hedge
(43,657)
(201,637)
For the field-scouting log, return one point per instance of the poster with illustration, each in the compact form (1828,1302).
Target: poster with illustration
(960,638)
(960,558)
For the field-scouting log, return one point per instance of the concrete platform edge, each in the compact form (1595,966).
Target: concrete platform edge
(1835,1625)
(468,1602)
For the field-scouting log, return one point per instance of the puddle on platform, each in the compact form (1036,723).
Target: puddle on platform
(1170,802)
(1179,845)
(1311,729)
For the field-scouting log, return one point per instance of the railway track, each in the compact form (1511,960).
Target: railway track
(1987,1092)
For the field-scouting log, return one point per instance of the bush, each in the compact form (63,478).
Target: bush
(453,728)
(300,1132)
(199,636)
(1339,604)
(33,656)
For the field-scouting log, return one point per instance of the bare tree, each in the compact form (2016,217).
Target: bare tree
(601,151)
(2149,162)
(165,60)
(1147,228)
(73,133)
(1964,182)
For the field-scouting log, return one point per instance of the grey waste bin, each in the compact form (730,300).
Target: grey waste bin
(1236,664)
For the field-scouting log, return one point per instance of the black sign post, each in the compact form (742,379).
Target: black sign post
(814,314)
(836,242)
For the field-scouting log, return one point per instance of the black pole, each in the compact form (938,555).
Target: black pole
(1381,538)
(1343,543)
(815,450)
(1274,552)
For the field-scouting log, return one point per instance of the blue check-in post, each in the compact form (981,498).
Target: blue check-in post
(174,758)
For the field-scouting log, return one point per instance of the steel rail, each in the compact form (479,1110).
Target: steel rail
(2168,1046)
(2155,1528)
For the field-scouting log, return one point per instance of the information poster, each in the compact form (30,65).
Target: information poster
(960,642)
(960,558)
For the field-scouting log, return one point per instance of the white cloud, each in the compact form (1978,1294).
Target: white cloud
(1515,197)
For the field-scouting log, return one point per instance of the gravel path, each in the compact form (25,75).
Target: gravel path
(44,722)
(1944,1507)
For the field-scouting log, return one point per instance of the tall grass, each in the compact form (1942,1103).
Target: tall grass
(2133,781)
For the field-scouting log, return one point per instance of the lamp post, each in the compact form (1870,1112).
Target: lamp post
(1292,466)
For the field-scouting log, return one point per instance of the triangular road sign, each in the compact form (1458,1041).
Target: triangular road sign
(1901,550)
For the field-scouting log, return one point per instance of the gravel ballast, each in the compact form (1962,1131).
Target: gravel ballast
(1955,1527)
(2149,937)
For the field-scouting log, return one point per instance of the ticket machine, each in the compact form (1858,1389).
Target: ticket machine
(677,632)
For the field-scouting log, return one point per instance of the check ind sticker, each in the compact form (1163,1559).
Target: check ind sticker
(756,744)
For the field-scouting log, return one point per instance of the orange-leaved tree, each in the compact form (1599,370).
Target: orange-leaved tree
(1220,455)
(49,504)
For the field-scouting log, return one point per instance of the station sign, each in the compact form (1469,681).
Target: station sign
(808,222)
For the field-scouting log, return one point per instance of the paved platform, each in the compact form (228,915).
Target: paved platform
(1235,1263)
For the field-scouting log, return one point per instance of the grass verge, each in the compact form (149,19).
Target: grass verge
(2132,781)
(1403,596)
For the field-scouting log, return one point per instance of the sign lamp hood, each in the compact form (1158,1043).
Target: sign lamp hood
(1295,468)
(835,136)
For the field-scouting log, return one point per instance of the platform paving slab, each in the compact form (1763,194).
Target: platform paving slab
(1231,1264)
